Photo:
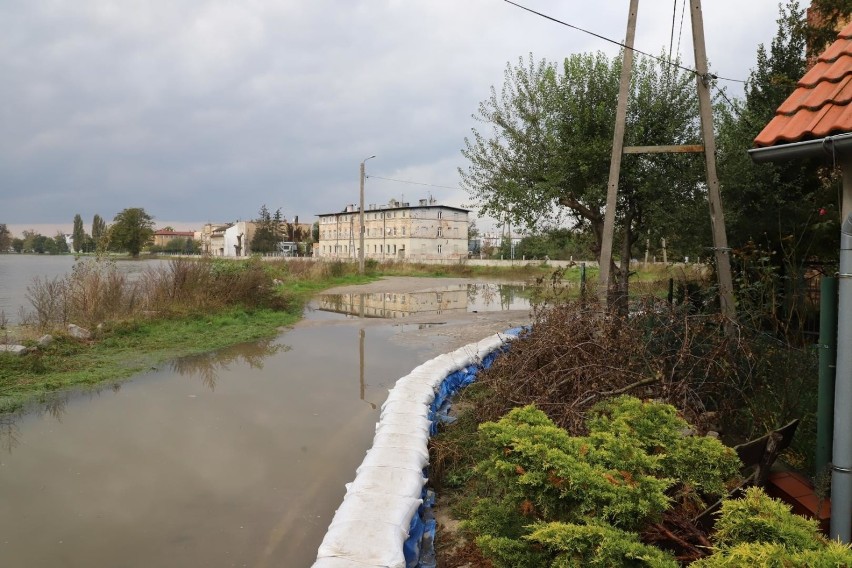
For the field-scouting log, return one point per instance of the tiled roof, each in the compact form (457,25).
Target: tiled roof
(821,105)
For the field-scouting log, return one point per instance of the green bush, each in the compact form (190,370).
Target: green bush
(759,531)
(767,555)
(619,478)
(597,546)
(757,517)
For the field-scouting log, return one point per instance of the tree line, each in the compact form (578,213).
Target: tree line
(132,230)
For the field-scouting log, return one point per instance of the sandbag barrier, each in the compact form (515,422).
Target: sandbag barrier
(385,519)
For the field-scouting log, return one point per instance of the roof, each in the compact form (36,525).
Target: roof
(165,233)
(820,105)
(389,208)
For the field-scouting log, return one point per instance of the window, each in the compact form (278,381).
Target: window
(440,232)
(439,249)
(440,214)
(394,249)
(403,231)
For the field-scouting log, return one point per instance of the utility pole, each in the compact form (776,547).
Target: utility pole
(361,220)
(717,217)
(617,151)
(717,214)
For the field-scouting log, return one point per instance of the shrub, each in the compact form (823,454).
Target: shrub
(620,477)
(757,517)
(597,546)
(759,531)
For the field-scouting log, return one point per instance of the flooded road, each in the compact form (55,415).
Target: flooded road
(237,458)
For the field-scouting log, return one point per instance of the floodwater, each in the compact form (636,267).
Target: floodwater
(457,298)
(236,458)
(17,272)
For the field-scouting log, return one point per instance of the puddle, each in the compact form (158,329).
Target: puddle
(460,298)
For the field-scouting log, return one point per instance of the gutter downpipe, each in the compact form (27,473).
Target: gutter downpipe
(841,474)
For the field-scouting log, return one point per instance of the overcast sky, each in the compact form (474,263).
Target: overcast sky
(203,110)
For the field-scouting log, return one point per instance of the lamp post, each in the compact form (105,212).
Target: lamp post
(361,219)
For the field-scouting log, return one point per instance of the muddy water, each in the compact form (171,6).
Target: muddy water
(237,458)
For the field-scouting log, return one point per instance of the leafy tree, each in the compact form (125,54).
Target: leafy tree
(131,230)
(78,234)
(267,234)
(545,151)
(60,244)
(784,213)
(556,244)
(5,238)
(18,245)
(99,232)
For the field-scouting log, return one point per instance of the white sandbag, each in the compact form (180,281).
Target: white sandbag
(415,422)
(377,507)
(373,544)
(407,393)
(403,428)
(332,562)
(405,407)
(401,441)
(394,457)
(392,480)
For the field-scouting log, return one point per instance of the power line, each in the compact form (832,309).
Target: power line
(618,43)
(416,183)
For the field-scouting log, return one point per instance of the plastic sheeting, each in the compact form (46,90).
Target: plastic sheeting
(384,518)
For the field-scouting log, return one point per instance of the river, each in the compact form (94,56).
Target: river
(236,458)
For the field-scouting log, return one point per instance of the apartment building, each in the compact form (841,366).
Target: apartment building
(426,231)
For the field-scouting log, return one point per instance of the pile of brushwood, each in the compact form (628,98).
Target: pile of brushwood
(596,441)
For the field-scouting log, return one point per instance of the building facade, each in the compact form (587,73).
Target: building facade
(397,231)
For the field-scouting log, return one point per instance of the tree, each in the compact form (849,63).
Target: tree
(131,230)
(267,234)
(545,156)
(789,208)
(824,20)
(5,238)
(60,245)
(78,234)
(98,232)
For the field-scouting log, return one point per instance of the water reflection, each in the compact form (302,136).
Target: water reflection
(207,366)
(9,433)
(459,298)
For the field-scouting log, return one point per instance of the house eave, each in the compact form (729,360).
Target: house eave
(837,145)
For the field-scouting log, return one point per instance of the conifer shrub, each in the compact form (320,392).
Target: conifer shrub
(597,546)
(759,531)
(619,478)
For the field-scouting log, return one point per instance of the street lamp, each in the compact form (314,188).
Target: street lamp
(361,219)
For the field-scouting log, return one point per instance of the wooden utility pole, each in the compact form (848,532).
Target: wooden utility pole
(717,217)
(617,150)
(717,214)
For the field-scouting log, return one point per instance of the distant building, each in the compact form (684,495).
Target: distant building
(426,231)
(162,237)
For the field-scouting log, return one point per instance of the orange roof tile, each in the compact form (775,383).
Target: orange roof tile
(821,105)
